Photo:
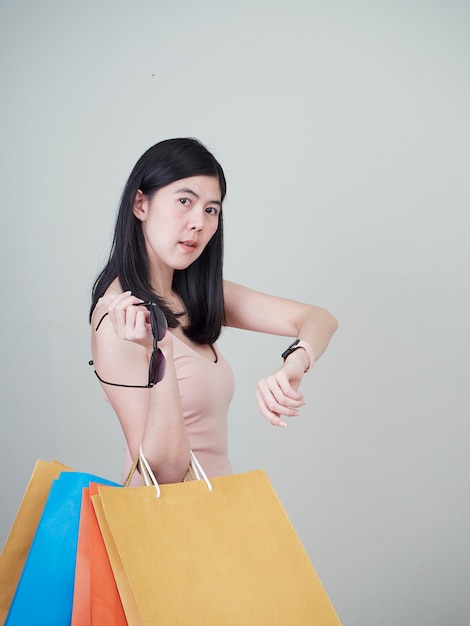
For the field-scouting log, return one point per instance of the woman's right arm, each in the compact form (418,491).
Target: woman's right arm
(153,418)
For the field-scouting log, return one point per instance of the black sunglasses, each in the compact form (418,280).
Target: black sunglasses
(157,360)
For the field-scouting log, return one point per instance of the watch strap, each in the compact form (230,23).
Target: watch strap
(298,343)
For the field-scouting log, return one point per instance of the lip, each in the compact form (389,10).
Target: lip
(189,245)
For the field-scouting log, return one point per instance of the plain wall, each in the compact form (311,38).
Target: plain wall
(343,128)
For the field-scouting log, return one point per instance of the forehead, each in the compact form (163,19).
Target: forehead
(205,187)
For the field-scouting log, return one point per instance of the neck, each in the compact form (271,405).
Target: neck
(161,280)
(162,285)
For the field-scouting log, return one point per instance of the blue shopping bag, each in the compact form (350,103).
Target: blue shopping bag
(44,594)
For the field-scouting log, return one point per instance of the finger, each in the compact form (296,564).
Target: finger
(281,379)
(117,315)
(283,407)
(129,321)
(122,301)
(106,299)
(141,321)
(108,303)
(127,317)
(133,322)
(290,391)
(273,418)
(283,402)
(117,298)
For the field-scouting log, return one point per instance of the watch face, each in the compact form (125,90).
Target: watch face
(290,349)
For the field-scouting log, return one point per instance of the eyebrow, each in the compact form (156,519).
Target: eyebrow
(193,193)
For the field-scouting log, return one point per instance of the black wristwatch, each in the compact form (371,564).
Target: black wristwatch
(292,348)
(305,346)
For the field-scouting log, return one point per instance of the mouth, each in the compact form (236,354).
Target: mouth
(189,243)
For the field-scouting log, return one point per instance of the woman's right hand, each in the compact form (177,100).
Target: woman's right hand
(130,322)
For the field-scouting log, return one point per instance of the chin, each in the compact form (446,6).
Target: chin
(183,265)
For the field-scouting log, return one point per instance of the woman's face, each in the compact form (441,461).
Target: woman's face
(179,220)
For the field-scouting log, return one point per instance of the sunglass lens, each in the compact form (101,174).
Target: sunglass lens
(158,321)
(157,367)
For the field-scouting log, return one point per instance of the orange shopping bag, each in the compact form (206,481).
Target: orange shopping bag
(96,600)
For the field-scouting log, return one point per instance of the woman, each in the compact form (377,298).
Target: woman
(167,250)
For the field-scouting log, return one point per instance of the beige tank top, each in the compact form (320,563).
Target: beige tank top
(206,389)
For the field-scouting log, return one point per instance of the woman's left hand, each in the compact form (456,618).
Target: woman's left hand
(278,394)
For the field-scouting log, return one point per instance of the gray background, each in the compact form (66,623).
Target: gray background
(343,129)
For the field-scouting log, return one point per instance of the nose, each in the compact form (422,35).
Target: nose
(196,221)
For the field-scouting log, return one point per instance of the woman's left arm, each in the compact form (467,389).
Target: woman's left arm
(251,310)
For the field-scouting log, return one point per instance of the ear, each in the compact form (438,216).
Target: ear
(140,206)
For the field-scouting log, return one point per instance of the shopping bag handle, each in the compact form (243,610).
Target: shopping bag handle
(150,479)
(136,463)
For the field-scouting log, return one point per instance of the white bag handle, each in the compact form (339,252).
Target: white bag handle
(149,476)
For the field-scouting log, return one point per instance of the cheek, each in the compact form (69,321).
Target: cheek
(213,228)
(210,235)
(159,228)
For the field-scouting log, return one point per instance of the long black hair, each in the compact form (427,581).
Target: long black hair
(200,286)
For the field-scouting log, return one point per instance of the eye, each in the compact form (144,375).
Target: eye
(185,201)
(212,210)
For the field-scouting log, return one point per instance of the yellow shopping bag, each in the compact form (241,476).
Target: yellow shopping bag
(207,554)
(20,538)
